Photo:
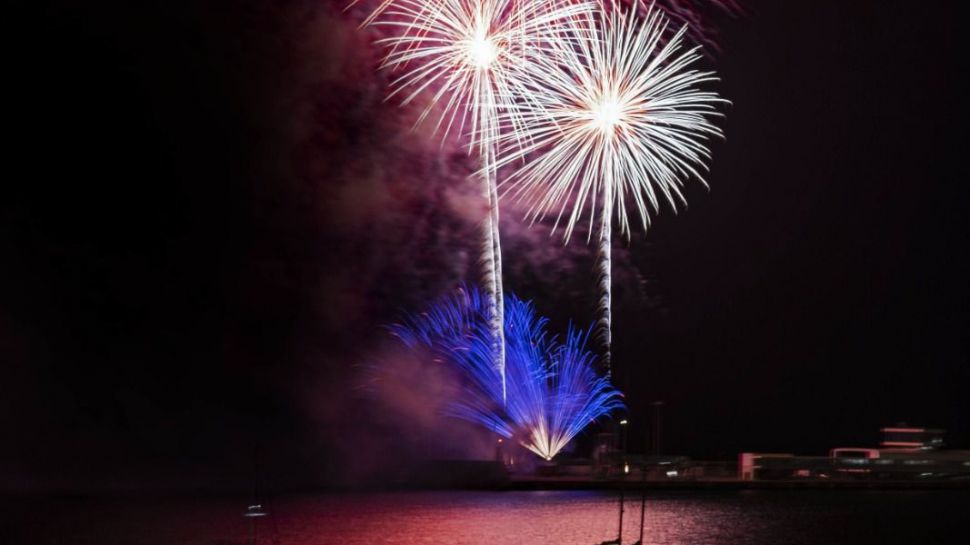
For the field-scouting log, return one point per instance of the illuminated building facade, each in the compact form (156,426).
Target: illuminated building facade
(905,453)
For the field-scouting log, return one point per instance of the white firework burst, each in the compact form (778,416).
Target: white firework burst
(469,58)
(613,114)
(615,120)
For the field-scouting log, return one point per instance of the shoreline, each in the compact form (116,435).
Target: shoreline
(718,485)
(511,485)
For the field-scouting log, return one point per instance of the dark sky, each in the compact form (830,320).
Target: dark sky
(208,214)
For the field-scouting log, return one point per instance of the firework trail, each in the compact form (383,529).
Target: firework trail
(615,119)
(553,391)
(470,55)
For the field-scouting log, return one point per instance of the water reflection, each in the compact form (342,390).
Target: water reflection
(588,518)
(503,518)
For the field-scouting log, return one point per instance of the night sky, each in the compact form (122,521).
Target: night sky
(209,214)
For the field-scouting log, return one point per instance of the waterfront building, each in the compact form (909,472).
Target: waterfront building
(905,453)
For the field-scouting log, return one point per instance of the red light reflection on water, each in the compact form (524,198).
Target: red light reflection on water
(688,517)
(537,518)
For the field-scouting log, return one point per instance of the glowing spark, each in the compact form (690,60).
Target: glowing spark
(553,390)
(607,114)
(614,120)
(481,50)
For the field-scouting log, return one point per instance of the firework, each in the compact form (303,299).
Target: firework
(615,120)
(553,391)
(469,56)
